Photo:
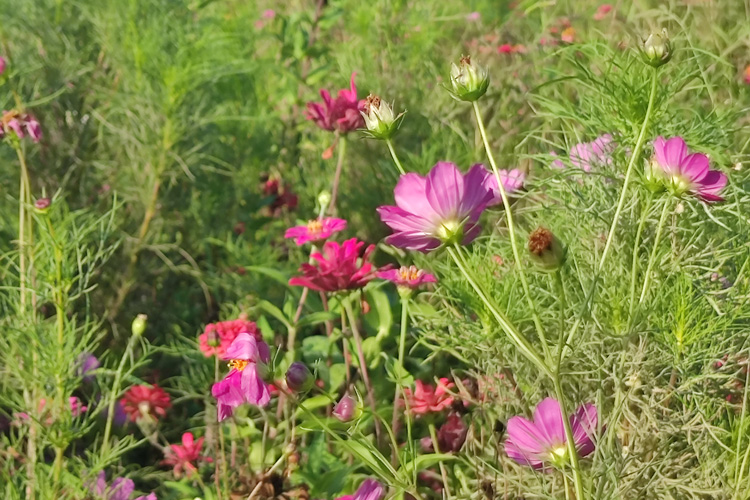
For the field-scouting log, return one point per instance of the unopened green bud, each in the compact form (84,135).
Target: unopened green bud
(139,325)
(656,49)
(469,81)
(380,121)
(546,250)
(324,198)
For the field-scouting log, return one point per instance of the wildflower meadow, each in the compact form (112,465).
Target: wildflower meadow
(410,250)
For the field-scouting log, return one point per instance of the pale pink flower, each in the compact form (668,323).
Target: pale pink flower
(315,230)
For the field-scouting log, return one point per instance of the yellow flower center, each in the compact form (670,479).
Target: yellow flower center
(314,226)
(560,451)
(410,273)
(238,364)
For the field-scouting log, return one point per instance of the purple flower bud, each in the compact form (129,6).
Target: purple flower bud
(87,362)
(34,129)
(345,408)
(299,378)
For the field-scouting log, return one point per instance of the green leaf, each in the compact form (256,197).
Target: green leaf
(424,462)
(380,317)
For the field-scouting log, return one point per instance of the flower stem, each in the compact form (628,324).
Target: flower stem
(337,174)
(572,452)
(652,257)
(618,211)
(443,472)
(400,167)
(521,343)
(634,265)
(114,393)
(512,234)
(399,371)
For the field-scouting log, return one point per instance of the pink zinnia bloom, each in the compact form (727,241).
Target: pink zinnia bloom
(687,172)
(586,155)
(512,181)
(145,400)
(315,230)
(368,490)
(505,48)
(543,440)
(341,114)
(217,337)
(183,457)
(242,384)
(442,207)
(337,268)
(602,11)
(409,277)
(426,398)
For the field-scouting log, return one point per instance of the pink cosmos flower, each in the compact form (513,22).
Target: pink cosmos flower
(686,173)
(2,65)
(121,489)
(427,399)
(217,337)
(268,14)
(368,490)
(409,277)
(473,16)
(602,11)
(512,181)
(315,230)
(337,268)
(597,152)
(442,207)
(20,124)
(543,441)
(184,457)
(145,400)
(341,114)
(242,384)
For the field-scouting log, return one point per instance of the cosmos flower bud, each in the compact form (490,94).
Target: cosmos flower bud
(656,49)
(346,409)
(41,205)
(380,121)
(139,325)
(299,378)
(469,81)
(546,250)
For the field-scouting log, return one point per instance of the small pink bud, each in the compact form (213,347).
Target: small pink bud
(42,204)
(345,408)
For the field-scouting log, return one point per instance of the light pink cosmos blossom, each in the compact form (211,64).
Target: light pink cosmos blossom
(602,11)
(183,458)
(443,206)
(337,268)
(687,173)
(542,441)
(512,181)
(586,155)
(315,230)
(368,490)
(341,114)
(243,383)
(409,277)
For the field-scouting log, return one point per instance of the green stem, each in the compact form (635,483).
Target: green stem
(443,472)
(562,305)
(337,175)
(521,343)
(652,257)
(114,393)
(634,265)
(512,233)
(738,473)
(400,167)
(400,367)
(618,211)
(571,445)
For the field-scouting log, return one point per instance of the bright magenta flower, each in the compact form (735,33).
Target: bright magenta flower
(543,441)
(409,277)
(341,114)
(338,268)
(143,400)
(442,207)
(512,181)
(243,383)
(427,399)
(315,230)
(368,490)
(217,337)
(184,457)
(686,173)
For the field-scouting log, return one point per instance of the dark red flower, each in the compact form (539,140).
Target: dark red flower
(452,433)
(338,268)
(341,114)
(145,400)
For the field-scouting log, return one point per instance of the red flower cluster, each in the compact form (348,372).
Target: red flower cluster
(338,268)
(217,337)
(426,398)
(341,114)
(143,400)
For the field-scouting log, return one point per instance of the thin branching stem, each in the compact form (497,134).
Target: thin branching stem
(654,251)
(400,167)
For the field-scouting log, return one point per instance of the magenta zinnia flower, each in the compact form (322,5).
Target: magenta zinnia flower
(512,181)
(442,207)
(368,490)
(341,114)
(686,173)
(242,384)
(315,230)
(338,268)
(409,277)
(184,457)
(543,441)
